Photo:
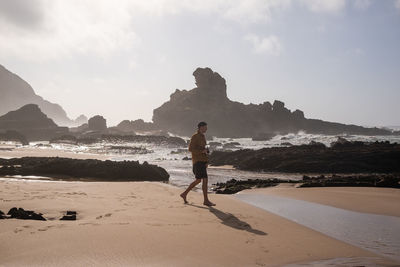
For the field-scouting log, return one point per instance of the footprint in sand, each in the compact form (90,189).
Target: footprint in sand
(51,226)
(155,224)
(120,210)
(88,223)
(17,230)
(105,215)
(46,228)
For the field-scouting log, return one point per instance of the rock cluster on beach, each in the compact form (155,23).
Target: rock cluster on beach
(69,216)
(209,102)
(357,180)
(373,180)
(341,157)
(233,186)
(20,213)
(90,169)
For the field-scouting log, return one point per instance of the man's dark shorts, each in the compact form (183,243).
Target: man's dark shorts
(200,169)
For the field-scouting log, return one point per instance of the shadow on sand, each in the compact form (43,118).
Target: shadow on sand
(231,220)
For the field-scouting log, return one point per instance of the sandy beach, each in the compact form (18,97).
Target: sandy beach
(146,224)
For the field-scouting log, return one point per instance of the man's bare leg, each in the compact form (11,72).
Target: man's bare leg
(206,202)
(191,186)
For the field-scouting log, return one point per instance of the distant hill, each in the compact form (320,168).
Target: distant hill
(32,123)
(15,93)
(209,102)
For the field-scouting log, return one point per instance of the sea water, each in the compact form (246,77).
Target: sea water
(171,157)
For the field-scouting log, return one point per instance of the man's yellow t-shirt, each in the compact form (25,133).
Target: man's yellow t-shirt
(196,146)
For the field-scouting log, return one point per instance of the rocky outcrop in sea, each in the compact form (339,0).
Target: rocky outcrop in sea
(226,118)
(341,157)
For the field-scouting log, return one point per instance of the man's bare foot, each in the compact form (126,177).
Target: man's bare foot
(184,198)
(208,203)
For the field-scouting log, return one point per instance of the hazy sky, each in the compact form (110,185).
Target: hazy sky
(336,60)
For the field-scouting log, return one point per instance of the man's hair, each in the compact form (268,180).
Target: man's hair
(202,123)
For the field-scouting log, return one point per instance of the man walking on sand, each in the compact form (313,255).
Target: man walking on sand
(197,146)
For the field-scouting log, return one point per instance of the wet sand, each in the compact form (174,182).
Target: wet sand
(384,201)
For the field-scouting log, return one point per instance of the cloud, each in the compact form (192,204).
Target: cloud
(68,28)
(324,6)
(42,30)
(21,13)
(269,45)
(397,4)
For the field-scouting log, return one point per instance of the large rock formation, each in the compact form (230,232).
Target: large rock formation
(136,125)
(31,122)
(15,93)
(97,123)
(226,118)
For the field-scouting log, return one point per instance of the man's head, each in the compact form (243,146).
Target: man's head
(202,127)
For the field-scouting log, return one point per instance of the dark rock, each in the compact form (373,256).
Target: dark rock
(231,145)
(66,139)
(315,158)
(364,180)
(317,144)
(136,125)
(263,137)
(233,186)
(31,123)
(215,144)
(286,144)
(186,158)
(11,135)
(70,216)
(67,168)
(20,213)
(97,123)
(228,118)
(2,215)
